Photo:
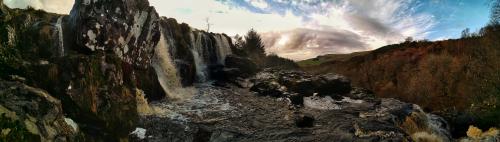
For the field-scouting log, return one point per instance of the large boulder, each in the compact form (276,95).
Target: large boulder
(246,66)
(129,28)
(331,84)
(31,114)
(279,83)
(236,70)
(269,88)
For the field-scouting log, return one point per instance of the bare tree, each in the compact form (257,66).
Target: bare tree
(208,24)
(466,33)
(495,12)
(409,39)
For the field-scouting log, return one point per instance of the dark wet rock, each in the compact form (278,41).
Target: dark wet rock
(332,84)
(221,73)
(128,28)
(276,83)
(296,99)
(246,66)
(360,93)
(268,88)
(304,121)
(99,94)
(186,71)
(34,114)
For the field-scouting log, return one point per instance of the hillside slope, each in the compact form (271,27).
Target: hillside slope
(453,77)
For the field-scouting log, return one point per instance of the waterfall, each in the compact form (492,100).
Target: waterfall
(432,127)
(223,48)
(167,72)
(438,126)
(60,35)
(199,59)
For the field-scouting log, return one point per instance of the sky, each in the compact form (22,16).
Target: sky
(302,29)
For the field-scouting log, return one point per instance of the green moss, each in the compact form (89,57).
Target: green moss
(30,42)
(275,61)
(310,62)
(10,62)
(13,130)
(489,118)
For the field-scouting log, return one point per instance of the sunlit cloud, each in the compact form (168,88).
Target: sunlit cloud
(55,6)
(258,3)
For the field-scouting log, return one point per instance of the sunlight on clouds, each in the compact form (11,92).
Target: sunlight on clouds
(283,40)
(262,4)
(225,18)
(371,24)
(55,6)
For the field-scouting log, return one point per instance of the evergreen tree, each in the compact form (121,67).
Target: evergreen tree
(254,47)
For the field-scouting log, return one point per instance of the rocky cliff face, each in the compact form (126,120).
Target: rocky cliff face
(129,28)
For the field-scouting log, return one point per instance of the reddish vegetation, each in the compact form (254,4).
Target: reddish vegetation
(460,75)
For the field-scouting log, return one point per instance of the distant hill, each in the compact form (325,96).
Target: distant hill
(330,58)
(457,78)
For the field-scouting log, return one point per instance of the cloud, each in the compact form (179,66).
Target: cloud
(226,16)
(349,26)
(262,4)
(302,43)
(370,25)
(55,6)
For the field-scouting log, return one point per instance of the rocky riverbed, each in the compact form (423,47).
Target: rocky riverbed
(232,113)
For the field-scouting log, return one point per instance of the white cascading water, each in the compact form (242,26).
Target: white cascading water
(60,35)
(199,59)
(438,126)
(167,73)
(223,48)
